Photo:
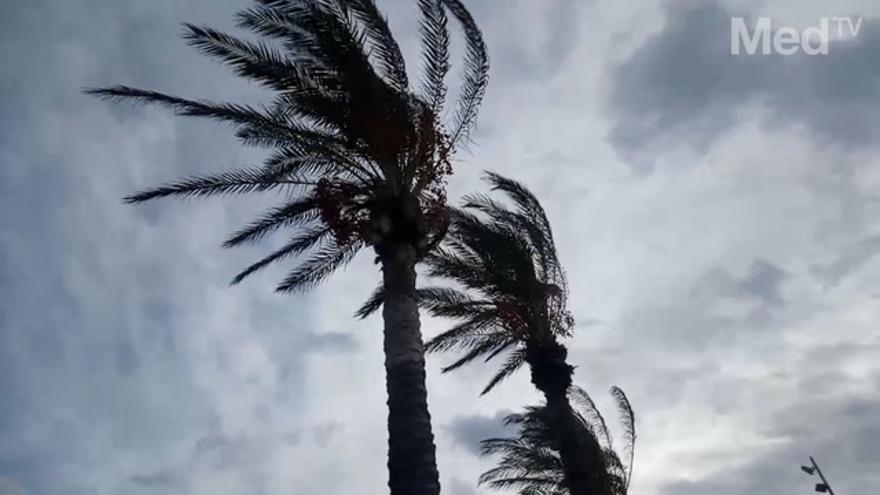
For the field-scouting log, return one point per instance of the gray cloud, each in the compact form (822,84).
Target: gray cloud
(468,431)
(220,450)
(10,487)
(700,319)
(850,259)
(683,85)
(842,435)
(762,282)
(547,35)
(330,342)
(460,487)
(161,479)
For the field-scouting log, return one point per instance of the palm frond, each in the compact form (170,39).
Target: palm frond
(435,53)
(296,161)
(319,266)
(528,205)
(617,476)
(254,126)
(231,182)
(628,418)
(276,20)
(292,23)
(588,410)
(461,266)
(383,46)
(505,480)
(439,301)
(297,245)
(468,333)
(476,75)
(485,346)
(333,41)
(536,231)
(239,115)
(514,362)
(373,304)
(295,213)
(450,303)
(252,60)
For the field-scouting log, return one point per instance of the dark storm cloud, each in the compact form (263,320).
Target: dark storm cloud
(220,450)
(698,320)
(162,479)
(468,431)
(684,85)
(850,260)
(546,35)
(330,342)
(762,282)
(842,434)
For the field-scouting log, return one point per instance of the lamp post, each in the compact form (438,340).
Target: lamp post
(822,487)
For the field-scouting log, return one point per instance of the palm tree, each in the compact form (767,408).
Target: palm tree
(361,158)
(530,462)
(513,303)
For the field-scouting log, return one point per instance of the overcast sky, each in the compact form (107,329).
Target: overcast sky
(717,215)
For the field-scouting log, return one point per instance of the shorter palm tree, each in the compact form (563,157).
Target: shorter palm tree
(530,462)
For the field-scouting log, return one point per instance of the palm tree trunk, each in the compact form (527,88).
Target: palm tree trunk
(412,464)
(582,459)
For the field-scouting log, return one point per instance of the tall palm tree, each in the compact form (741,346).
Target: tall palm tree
(513,302)
(530,462)
(361,158)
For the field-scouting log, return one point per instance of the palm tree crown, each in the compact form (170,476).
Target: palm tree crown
(530,462)
(361,157)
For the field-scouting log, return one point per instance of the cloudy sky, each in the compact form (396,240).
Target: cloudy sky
(717,214)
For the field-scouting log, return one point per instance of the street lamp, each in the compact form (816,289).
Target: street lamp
(822,487)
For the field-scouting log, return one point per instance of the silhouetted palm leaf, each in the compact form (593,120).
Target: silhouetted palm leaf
(628,419)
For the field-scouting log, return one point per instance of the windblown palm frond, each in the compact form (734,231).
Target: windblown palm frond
(628,420)
(359,155)
(530,462)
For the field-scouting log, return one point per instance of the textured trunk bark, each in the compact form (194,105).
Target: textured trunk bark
(412,465)
(582,461)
